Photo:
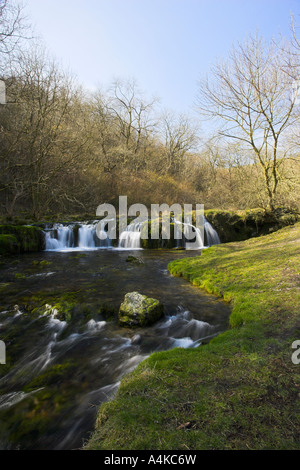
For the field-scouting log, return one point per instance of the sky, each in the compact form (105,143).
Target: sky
(167,46)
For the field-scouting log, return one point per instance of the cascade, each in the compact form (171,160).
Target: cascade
(81,236)
(131,237)
(59,237)
(189,231)
(211,234)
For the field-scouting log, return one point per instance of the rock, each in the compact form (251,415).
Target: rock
(21,239)
(139,310)
(136,339)
(134,260)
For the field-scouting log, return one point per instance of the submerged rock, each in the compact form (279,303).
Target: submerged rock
(134,260)
(139,310)
(136,339)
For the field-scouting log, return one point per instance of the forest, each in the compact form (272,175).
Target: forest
(66,149)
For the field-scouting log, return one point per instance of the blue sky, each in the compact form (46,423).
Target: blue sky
(165,45)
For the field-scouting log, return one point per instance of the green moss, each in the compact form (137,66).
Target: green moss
(53,376)
(38,413)
(134,260)
(45,263)
(238,226)
(8,244)
(4,285)
(139,310)
(20,239)
(75,308)
(20,276)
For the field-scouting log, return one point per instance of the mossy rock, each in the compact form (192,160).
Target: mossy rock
(20,276)
(238,226)
(21,239)
(75,308)
(8,244)
(134,260)
(53,376)
(161,242)
(139,310)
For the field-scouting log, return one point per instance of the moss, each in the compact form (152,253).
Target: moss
(8,244)
(148,243)
(20,276)
(38,413)
(73,307)
(25,239)
(134,260)
(53,376)
(4,285)
(139,310)
(238,226)
(45,263)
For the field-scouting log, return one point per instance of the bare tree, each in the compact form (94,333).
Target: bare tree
(179,136)
(133,114)
(12,25)
(256,100)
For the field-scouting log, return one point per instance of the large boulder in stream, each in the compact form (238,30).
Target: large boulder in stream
(139,310)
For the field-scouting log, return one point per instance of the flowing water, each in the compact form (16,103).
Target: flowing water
(58,373)
(93,235)
(131,237)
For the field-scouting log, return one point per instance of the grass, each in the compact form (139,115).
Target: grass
(240,391)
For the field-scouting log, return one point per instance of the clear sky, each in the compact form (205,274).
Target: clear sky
(166,45)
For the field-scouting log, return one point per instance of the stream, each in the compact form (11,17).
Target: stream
(58,372)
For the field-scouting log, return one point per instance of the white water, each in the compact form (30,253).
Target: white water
(102,352)
(60,237)
(190,232)
(131,238)
(63,237)
(86,236)
(211,233)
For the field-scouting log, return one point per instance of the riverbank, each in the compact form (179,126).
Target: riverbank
(240,391)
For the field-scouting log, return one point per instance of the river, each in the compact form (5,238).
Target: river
(58,372)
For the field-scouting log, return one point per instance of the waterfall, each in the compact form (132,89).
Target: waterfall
(131,238)
(87,237)
(198,243)
(92,236)
(211,234)
(191,232)
(60,237)
(81,236)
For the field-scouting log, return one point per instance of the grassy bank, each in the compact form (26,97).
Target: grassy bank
(240,391)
